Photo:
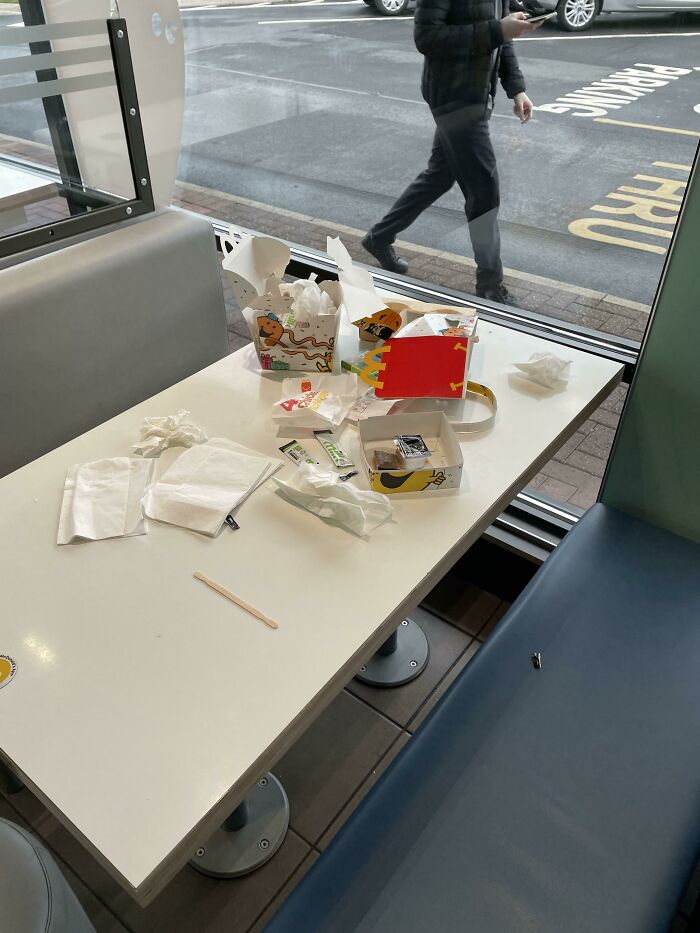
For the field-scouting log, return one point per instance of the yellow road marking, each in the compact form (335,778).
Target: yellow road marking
(648,126)
(674,165)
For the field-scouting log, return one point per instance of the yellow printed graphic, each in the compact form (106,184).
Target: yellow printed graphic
(7,669)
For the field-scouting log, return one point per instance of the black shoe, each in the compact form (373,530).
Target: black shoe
(498,293)
(385,255)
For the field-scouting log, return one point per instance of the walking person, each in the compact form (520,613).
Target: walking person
(468,47)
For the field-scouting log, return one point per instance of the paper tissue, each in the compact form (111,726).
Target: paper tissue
(546,369)
(157,434)
(102,499)
(206,483)
(326,495)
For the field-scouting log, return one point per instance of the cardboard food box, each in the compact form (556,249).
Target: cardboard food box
(418,367)
(283,339)
(442,471)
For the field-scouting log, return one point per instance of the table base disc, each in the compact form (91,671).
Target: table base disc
(407,662)
(232,854)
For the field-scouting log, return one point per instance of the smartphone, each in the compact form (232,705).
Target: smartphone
(539,19)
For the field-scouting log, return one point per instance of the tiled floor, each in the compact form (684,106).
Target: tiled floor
(326,774)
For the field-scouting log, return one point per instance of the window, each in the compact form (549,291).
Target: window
(71,147)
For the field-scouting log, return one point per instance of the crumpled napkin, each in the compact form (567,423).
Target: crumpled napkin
(322,492)
(206,483)
(102,499)
(168,431)
(546,369)
(308,300)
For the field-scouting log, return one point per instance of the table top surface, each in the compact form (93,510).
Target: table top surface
(18,188)
(145,705)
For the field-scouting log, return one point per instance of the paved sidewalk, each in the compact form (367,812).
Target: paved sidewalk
(585,307)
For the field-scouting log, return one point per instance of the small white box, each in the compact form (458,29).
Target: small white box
(443,471)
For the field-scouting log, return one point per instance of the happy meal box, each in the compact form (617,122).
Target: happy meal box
(293,326)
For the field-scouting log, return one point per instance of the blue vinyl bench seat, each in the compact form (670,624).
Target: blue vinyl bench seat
(559,800)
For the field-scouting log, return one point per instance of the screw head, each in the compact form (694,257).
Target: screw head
(200,851)
(264,843)
(414,663)
(144,182)
(120,34)
(364,667)
(129,211)
(132,112)
(262,782)
(405,622)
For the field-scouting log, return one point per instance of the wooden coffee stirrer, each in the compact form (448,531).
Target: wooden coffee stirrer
(235,599)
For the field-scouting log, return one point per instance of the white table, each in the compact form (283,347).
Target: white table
(145,705)
(17,190)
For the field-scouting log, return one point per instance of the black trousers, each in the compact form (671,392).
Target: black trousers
(462,153)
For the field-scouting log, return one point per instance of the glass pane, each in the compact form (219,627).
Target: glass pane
(304,121)
(63,150)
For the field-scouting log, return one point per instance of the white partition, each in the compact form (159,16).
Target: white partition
(157,49)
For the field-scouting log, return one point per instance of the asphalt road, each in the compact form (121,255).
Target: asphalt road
(316,108)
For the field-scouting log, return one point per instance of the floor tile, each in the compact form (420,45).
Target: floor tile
(444,685)
(490,626)
(282,896)
(363,790)
(102,919)
(400,704)
(191,903)
(328,763)
(461,604)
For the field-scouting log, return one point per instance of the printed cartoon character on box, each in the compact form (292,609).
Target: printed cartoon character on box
(380,326)
(273,334)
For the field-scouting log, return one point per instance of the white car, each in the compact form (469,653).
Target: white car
(572,15)
(576,15)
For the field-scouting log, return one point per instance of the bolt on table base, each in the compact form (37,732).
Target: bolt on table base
(402,657)
(250,836)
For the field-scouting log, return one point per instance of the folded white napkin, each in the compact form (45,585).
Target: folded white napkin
(102,499)
(206,483)
(326,495)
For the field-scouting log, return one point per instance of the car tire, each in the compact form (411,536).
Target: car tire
(577,15)
(391,7)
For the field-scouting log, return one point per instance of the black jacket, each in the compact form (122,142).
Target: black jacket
(464,51)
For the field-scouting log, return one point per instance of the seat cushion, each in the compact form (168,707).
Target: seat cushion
(34,895)
(559,800)
(101,324)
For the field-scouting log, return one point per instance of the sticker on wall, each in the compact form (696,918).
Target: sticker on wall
(8,669)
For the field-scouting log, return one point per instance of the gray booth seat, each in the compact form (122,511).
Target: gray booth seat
(558,800)
(34,895)
(93,328)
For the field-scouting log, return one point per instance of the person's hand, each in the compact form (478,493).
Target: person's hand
(522,107)
(516,25)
